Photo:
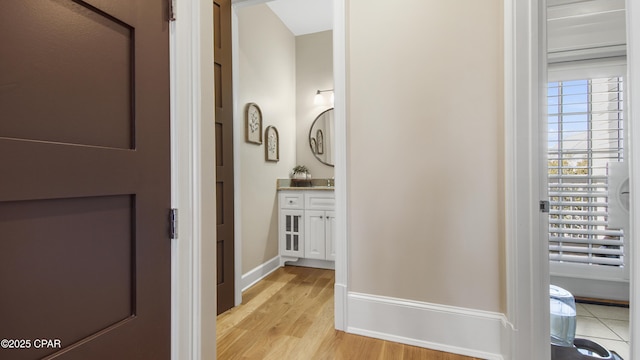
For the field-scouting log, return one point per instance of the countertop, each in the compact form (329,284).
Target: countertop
(316,184)
(302,188)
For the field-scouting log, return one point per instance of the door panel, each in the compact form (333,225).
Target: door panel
(84,191)
(224,154)
(291,230)
(314,237)
(43,250)
(92,55)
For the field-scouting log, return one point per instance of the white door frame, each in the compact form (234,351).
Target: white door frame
(633,106)
(527,272)
(341,286)
(526,252)
(193,258)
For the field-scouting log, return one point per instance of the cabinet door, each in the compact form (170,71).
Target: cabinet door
(329,233)
(314,239)
(292,233)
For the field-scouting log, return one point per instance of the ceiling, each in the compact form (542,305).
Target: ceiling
(304,16)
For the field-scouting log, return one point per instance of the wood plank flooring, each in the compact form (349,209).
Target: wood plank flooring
(289,315)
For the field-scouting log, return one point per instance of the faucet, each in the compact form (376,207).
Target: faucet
(330,182)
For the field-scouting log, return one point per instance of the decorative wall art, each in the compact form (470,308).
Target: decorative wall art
(253,124)
(319,142)
(272,145)
(314,146)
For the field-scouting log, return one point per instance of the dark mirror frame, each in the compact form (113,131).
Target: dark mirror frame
(313,142)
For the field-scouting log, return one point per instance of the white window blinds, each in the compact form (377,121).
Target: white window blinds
(585,120)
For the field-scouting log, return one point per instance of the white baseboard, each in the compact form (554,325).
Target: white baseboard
(259,272)
(508,339)
(314,263)
(455,330)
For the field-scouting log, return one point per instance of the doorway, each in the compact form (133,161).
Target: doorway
(586,155)
(586,141)
(587,147)
(246,152)
(527,247)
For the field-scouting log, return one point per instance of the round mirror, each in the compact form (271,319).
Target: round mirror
(321,137)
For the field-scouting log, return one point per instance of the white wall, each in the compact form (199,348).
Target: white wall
(266,77)
(425,151)
(314,71)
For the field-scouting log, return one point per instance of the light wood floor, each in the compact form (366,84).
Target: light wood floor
(289,315)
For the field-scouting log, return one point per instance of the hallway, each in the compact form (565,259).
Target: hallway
(289,315)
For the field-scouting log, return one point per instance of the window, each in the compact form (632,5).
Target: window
(585,120)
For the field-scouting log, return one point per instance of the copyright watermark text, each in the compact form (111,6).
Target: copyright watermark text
(30,343)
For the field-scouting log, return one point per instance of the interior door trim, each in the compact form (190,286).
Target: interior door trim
(526,268)
(193,254)
(633,96)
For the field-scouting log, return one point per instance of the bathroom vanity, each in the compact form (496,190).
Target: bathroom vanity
(306,225)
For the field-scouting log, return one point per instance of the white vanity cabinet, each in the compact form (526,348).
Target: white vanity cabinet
(306,225)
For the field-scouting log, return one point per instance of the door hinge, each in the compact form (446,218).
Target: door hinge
(173,224)
(172,10)
(544,206)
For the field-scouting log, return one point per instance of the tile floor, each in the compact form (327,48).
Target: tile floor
(606,325)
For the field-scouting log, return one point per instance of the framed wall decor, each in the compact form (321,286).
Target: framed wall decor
(314,146)
(320,142)
(253,124)
(272,144)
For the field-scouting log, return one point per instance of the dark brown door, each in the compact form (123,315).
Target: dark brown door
(224,152)
(84,181)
